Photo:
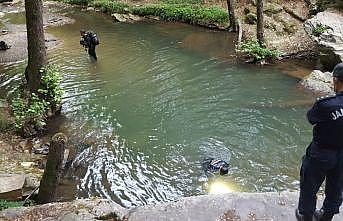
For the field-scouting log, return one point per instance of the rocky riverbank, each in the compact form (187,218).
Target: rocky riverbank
(19,156)
(224,207)
(15,34)
(326,29)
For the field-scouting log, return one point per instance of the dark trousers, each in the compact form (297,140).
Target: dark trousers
(318,165)
(91,51)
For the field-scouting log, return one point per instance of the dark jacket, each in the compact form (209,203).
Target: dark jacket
(327,117)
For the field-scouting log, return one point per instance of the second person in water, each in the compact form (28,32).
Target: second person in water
(89,40)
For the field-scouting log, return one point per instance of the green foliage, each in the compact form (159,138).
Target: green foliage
(182,1)
(51,90)
(319,29)
(107,6)
(4,204)
(253,49)
(76,2)
(9,204)
(189,11)
(186,13)
(29,111)
(32,109)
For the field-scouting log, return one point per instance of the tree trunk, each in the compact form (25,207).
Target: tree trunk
(53,170)
(36,43)
(231,13)
(259,12)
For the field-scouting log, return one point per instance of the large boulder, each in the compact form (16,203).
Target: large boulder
(320,82)
(326,28)
(216,207)
(11,186)
(126,17)
(78,210)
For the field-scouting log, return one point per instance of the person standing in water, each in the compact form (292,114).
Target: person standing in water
(89,40)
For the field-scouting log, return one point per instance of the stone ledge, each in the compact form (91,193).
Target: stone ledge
(221,207)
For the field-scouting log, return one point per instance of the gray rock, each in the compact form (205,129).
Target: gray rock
(232,206)
(78,210)
(126,17)
(272,9)
(319,82)
(221,207)
(250,18)
(11,186)
(3,103)
(119,17)
(331,40)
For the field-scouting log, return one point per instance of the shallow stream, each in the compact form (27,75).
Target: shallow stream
(160,99)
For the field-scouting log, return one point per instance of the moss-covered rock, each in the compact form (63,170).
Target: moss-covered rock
(322,5)
(289,28)
(250,18)
(5,120)
(272,9)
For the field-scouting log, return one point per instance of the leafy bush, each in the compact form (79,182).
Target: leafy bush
(189,11)
(186,13)
(51,90)
(253,49)
(32,109)
(9,204)
(319,29)
(109,6)
(76,2)
(4,204)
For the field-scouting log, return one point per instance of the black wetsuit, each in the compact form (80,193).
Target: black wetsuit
(90,40)
(3,46)
(212,166)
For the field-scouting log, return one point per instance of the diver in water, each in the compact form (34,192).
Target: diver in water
(213,166)
(4,46)
(89,40)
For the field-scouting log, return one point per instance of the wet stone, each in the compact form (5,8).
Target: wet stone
(11,186)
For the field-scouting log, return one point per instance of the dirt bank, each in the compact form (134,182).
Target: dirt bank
(15,34)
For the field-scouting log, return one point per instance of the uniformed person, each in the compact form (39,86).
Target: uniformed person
(89,40)
(324,156)
(213,166)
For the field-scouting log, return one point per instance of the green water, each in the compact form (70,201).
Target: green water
(160,99)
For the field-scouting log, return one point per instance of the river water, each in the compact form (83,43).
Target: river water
(160,99)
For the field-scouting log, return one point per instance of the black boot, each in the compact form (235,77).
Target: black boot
(301,217)
(321,215)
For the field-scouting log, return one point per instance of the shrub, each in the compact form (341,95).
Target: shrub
(319,29)
(32,109)
(109,6)
(76,2)
(185,13)
(254,50)
(4,204)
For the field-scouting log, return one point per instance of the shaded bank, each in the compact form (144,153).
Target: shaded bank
(15,34)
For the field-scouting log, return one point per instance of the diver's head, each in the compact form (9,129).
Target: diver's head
(82,32)
(223,170)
